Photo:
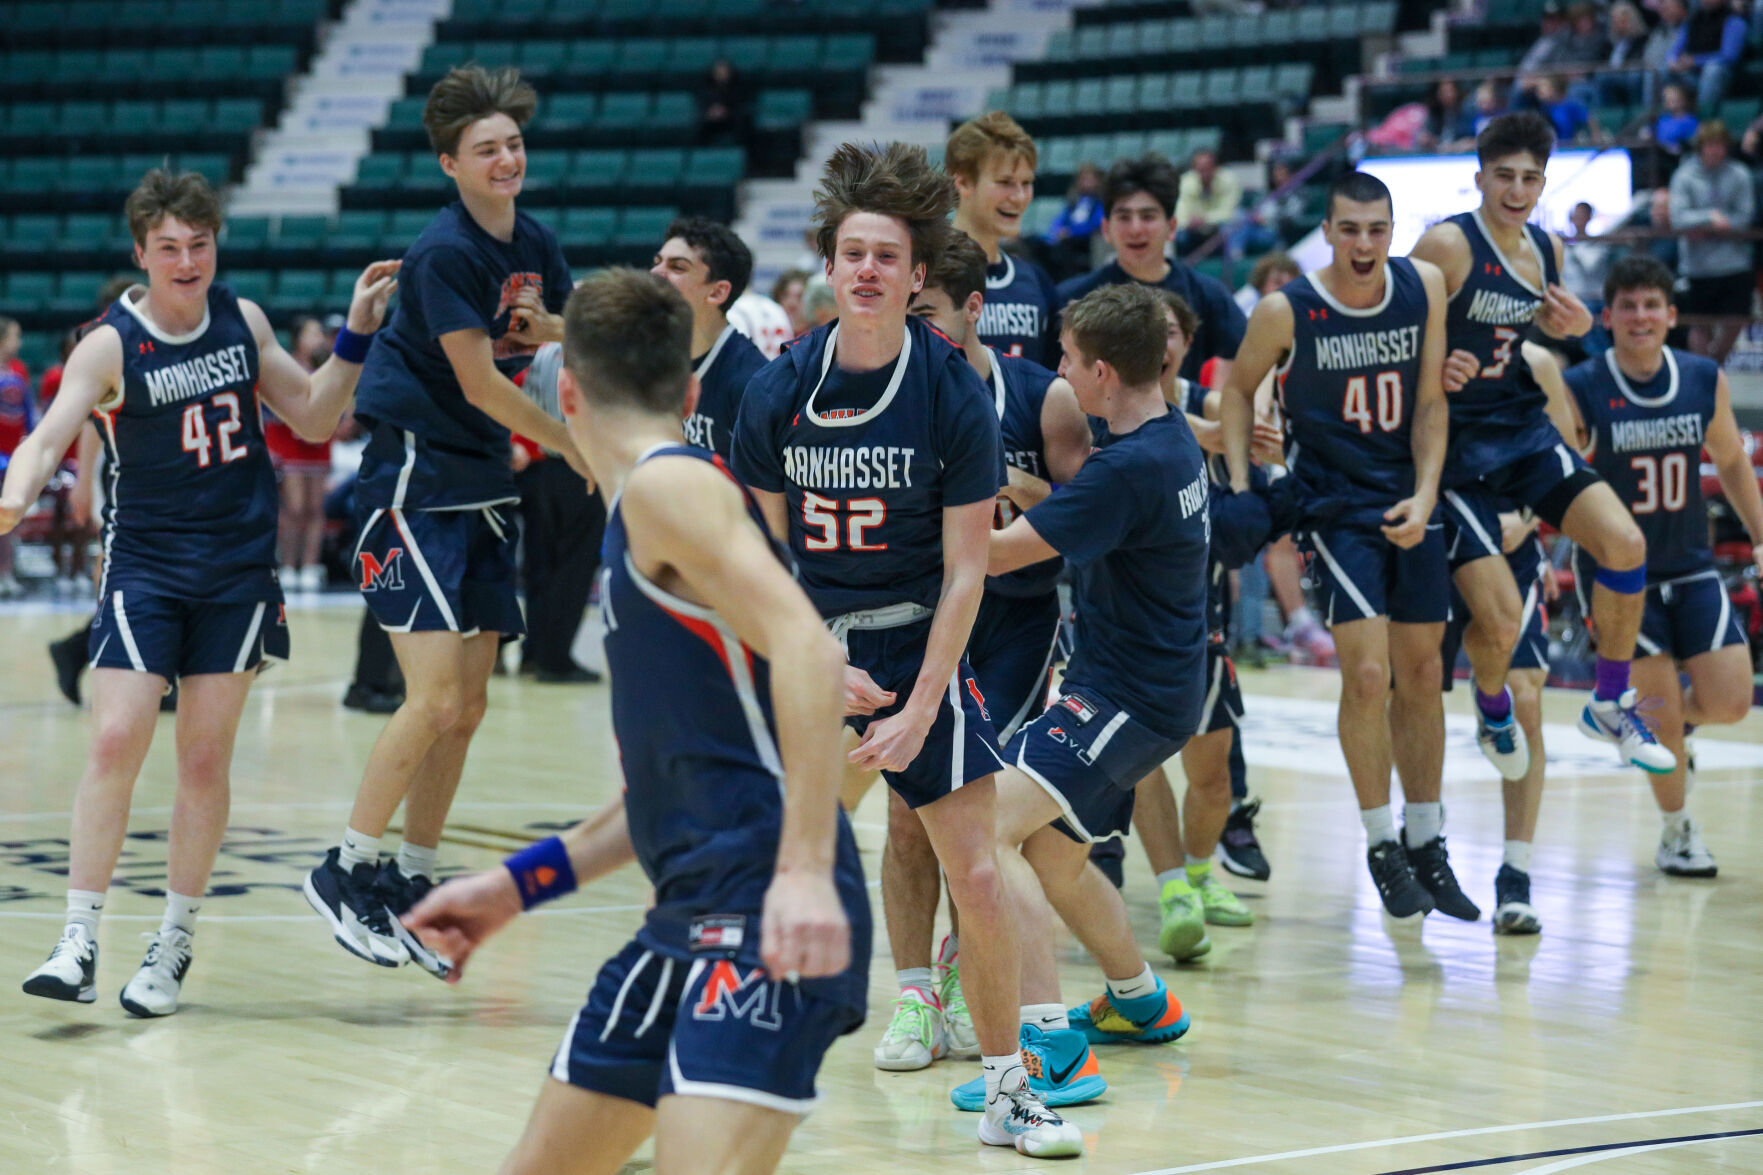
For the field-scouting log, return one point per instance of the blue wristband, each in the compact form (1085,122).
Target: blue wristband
(351,347)
(541,872)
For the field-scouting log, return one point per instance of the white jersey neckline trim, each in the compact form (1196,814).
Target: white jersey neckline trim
(1627,388)
(1389,291)
(157,332)
(868,414)
(1008,276)
(704,365)
(1481,227)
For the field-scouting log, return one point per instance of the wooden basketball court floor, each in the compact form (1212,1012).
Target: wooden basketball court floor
(1628,1038)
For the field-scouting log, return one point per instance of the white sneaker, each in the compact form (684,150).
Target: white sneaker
(1682,853)
(1502,743)
(289,577)
(71,972)
(154,989)
(311,578)
(915,1035)
(958,1033)
(1022,1120)
(1617,722)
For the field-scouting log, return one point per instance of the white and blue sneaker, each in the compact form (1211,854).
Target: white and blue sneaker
(1682,853)
(348,901)
(1019,1118)
(1618,722)
(154,989)
(1503,744)
(1061,1068)
(71,971)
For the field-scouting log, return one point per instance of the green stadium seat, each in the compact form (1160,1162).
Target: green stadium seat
(1120,95)
(37,174)
(1060,46)
(1096,148)
(88,231)
(380,172)
(28,293)
(216,167)
(673,111)
(442,56)
(1028,99)
(301,232)
(1279,28)
(591,58)
(1089,42)
(624,111)
(653,167)
(793,54)
(746,54)
(1343,22)
(1059,155)
(847,51)
(300,289)
(546,171)
(1171,144)
(551,218)
(356,228)
(175,63)
(183,115)
(690,58)
(715,167)
(1087,99)
(598,170)
(220,62)
(640,60)
(1187,90)
(1293,80)
(542,60)
(643,227)
(1039,215)
(782,109)
(81,119)
(1223,87)
(1156,38)
(1245,31)
(1312,23)
(237,115)
(76,291)
(570,112)
(405,225)
(246,232)
(1060,96)
(592,227)
(272,61)
(1378,19)
(496,54)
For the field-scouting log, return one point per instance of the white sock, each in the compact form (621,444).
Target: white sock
(358,848)
(1046,1017)
(949,951)
(416,861)
(1001,1069)
(83,908)
(1380,825)
(1422,822)
(1169,875)
(1139,986)
(1518,855)
(180,913)
(918,977)
(1674,822)
(1299,620)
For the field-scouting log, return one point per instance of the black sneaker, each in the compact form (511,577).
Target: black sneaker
(168,701)
(370,700)
(347,900)
(1432,868)
(1403,898)
(573,674)
(1513,913)
(69,656)
(1110,857)
(1242,852)
(400,893)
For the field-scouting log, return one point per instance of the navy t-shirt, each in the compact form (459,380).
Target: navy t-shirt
(723,372)
(868,460)
(1021,312)
(1222,323)
(1134,526)
(430,448)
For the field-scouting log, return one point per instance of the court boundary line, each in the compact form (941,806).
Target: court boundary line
(1439,1136)
(1590,1154)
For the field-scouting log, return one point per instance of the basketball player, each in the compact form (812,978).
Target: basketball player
(172,373)
(707,1030)
(1139,196)
(1046,435)
(1359,345)
(1133,525)
(873,447)
(435,500)
(992,161)
(710,264)
(1501,276)
(1645,412)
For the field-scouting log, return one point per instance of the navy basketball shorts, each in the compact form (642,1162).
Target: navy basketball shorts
(1472,524)
(1687,617)
(1089,755)
(1532,649)
(707,1027)
(440,570)
(962,745)
(1011,651)
(1223,708)
(181,638)
(1363,575)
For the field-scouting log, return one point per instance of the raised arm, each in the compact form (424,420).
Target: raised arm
(489,391)
(1738,477)
(93,372)
(1065,433)
(1563,411)
(1265,343)
(313,404)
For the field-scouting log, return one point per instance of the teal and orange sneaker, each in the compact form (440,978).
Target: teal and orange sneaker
(1152,1019)
(1061,1069)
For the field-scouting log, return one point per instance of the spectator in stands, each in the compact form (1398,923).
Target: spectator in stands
(71,531)
(1628,51)
(1208,199)
(1676,124)
(1657,218)
(18,415)
(1272,222)
(722,106)
(1139,199)
(1486,108)
(1707,50)
(1584,264)
(809,258)
(1751,143)
(818,305)
(1570,117)
(1710,195)
(786,291)
(11,339)
(1448,117)
(301,468)
(1575,38)
(1269,273)
(1072,231)
(1657,55)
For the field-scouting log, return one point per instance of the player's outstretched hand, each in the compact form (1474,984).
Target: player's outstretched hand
(11,510)
(459,916)
(804,934)
(862,695)
(373,292)
(1460,367)
(1563,315)
(530,323)
(1407,521)
(1267,444)
(891,744)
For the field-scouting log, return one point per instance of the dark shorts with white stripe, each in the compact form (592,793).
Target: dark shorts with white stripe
(1532,649)
(1011,651)
(1685,616)
(181,638)
(704,1027)
(440,570)
(1361,574)
(1224,697)
(1546,482)
(1089,755)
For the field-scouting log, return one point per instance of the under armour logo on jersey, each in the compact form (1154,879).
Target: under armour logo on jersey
(1491,269)
(1615,403)
(743,994)
(376,575)
(144,347)
(1320,313)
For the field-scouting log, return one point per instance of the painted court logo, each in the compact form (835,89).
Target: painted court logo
(387,576)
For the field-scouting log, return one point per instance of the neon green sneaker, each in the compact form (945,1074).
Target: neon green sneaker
(1183,934)
(915,1035)
(958,1034)
(1222,907)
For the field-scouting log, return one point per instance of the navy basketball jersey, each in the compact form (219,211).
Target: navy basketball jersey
(723,372)
(691,711)
(1020,315)
(1646,441)
(191,509)
(1347,390)
(867,461)
(1192,400)
(429,448)
(1500,414)
(1019,387)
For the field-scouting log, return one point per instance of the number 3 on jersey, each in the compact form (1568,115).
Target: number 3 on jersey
(197,440)
(859,515)
(1356,407)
